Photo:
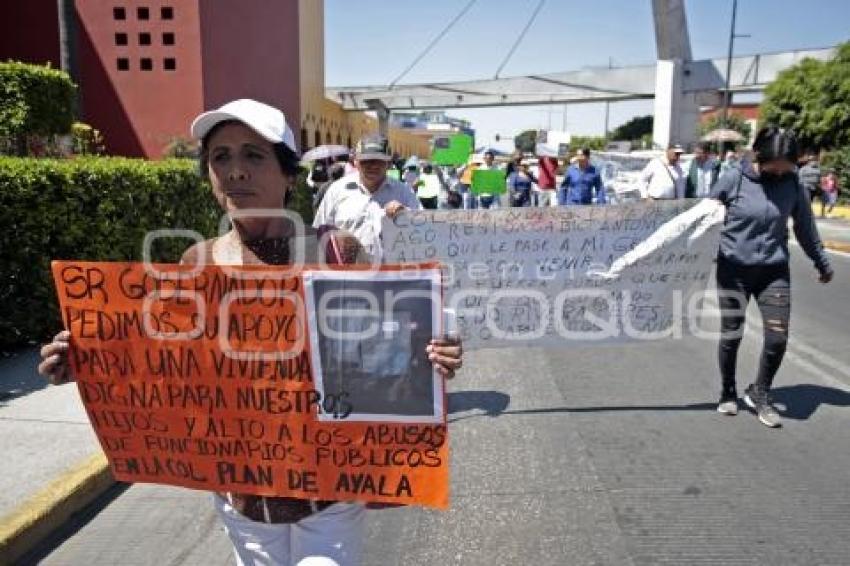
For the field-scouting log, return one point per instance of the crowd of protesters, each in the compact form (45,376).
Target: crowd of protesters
(543,181)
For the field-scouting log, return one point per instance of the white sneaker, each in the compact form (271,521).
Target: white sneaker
(728,406)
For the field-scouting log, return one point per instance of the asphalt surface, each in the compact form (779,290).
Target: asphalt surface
(598,455)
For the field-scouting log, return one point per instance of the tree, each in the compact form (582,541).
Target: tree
(595,143)
(34,101)
(634,129)
(813,98)
(526,140)
(733,122)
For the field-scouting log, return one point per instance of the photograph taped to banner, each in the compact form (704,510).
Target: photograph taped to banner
(368,335)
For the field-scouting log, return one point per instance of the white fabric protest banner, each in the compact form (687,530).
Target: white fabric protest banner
(568,275)
(551,143)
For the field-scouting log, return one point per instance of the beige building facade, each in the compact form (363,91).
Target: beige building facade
(323,121)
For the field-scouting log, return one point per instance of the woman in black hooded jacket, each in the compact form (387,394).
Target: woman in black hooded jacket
(753,261)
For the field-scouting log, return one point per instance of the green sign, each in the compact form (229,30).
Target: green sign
(452,150)
(488,181)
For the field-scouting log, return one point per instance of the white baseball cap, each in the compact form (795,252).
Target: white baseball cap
(267,121)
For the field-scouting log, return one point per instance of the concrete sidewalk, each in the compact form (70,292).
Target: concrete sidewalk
(835,231)
(52,463)
(840,212)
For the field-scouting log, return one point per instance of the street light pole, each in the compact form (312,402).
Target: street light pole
(726,94)
(608,103)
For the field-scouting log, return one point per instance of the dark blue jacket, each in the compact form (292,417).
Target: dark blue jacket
(581,185)
(755,231)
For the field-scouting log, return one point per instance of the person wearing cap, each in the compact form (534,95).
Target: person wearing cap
(663,178)
(248,153)
(357,203)
(582,183)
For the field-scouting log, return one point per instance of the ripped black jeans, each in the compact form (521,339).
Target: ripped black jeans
(771,287)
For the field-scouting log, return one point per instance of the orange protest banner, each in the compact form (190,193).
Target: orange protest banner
(207,378)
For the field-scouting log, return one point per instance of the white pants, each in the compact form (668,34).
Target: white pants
(545,198)
(332,537)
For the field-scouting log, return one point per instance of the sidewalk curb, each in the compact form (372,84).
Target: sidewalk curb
(34,519)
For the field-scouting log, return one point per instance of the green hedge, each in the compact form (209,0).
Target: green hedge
(98,209)
(34,100)
(86,209)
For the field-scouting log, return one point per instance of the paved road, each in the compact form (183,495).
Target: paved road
(593,456)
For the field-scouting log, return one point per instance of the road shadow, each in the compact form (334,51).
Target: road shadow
(495,404)
(492,403)
(800,402)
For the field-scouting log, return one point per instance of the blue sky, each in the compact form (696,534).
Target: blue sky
(372,41)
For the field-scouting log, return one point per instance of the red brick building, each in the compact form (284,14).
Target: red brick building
(147,67)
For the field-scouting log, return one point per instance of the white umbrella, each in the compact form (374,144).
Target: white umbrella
(723,135)
(412,162)
(325,152)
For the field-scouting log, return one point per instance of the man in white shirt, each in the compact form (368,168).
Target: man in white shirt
(663,178)
(357,203)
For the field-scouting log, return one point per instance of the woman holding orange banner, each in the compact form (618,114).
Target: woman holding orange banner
(248,153)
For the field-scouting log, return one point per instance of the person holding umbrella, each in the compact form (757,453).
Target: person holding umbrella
(323,156)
